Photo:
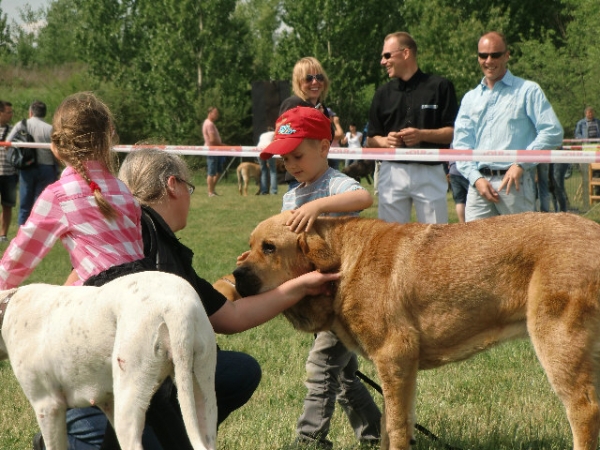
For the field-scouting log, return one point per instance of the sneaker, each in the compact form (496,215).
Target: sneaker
(38,442)
(370,443)
(3,239)
(305,443)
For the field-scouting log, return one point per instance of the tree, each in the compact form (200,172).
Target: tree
(56,43)
(168,60)
(5,39)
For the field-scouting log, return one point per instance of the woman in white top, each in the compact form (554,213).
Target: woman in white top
(353,139)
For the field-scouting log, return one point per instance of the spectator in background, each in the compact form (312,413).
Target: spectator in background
(310,85)
(338,135)
(460,187)
(503,112)
(589,126)
(353,139)
(8,174)
(543,186)
(557,174)
(268,168)
(35,179)
(214,164)
(414,110)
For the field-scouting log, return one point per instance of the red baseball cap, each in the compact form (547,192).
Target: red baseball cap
(294,125)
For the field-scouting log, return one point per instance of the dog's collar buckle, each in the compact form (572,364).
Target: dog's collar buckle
(227,280)
(3,305)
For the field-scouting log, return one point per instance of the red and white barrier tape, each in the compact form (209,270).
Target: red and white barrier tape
(570,154)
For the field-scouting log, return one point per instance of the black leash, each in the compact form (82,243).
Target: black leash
(420,428)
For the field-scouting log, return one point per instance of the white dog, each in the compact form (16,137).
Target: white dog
(112,347)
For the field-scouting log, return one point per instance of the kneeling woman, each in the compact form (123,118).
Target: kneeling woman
(158,180)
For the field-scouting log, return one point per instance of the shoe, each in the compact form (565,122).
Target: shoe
(214,194)
(38,442)
(3,239)
(306,443)
(568,172)
(370,443)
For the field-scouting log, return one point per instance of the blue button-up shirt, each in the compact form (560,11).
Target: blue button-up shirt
(514,115)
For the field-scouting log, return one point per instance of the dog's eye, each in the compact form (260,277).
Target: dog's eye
(268,248)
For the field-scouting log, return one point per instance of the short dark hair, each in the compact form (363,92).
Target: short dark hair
(38,109)
(4,104)
(404,40)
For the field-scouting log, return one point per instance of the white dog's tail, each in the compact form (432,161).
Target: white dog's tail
(194,349)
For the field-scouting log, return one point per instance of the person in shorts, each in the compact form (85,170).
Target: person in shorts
(8,174)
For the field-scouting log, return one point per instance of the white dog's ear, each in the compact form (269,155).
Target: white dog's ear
(318,251)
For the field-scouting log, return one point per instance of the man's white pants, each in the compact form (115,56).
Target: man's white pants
(403,185)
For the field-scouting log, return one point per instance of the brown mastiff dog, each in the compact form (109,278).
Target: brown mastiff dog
(419,296)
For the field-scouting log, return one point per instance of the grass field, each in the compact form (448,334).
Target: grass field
(497,400)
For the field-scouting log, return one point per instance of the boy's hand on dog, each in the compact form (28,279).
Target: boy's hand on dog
(303,218)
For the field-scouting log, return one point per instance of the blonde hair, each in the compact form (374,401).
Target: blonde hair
(306,66)
(82,130)
(145,172)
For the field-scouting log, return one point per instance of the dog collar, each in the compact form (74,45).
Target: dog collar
(3,305)
(228,281)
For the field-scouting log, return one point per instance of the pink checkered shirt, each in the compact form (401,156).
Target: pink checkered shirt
(67,210)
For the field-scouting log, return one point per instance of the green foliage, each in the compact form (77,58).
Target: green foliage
(161,64)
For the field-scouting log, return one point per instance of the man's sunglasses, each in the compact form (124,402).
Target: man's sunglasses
(494,55)
(319,77)
(388,55)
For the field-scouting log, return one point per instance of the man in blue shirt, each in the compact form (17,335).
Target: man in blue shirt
(503,112)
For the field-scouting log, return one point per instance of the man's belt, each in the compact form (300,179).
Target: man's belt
(487,172)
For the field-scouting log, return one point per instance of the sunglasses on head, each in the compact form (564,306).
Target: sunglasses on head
(319,77)
(494,55)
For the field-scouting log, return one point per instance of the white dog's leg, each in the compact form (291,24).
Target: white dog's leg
(52,421)
(140,365)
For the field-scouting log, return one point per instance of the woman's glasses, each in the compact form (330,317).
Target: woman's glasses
(191,188)
(310,78)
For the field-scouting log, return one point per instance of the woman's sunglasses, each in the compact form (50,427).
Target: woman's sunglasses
(319,77)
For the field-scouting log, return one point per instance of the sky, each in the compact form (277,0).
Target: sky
(11,7)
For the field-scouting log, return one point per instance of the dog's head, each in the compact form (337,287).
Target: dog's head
(278,255)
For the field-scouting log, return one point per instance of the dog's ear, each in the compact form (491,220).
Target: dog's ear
(316,248)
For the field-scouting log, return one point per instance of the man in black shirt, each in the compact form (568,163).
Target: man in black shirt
(414,110)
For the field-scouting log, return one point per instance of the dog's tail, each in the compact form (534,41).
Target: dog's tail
(194,354)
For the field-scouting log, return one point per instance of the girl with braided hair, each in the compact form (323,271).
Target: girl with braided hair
(89,209)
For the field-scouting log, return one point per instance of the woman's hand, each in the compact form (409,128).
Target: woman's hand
(315,283)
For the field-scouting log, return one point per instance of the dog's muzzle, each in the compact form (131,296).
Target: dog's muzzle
(246,282)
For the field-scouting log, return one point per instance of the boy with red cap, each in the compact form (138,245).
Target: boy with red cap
(302,139)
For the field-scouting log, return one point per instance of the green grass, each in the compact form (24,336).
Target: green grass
(497,400)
